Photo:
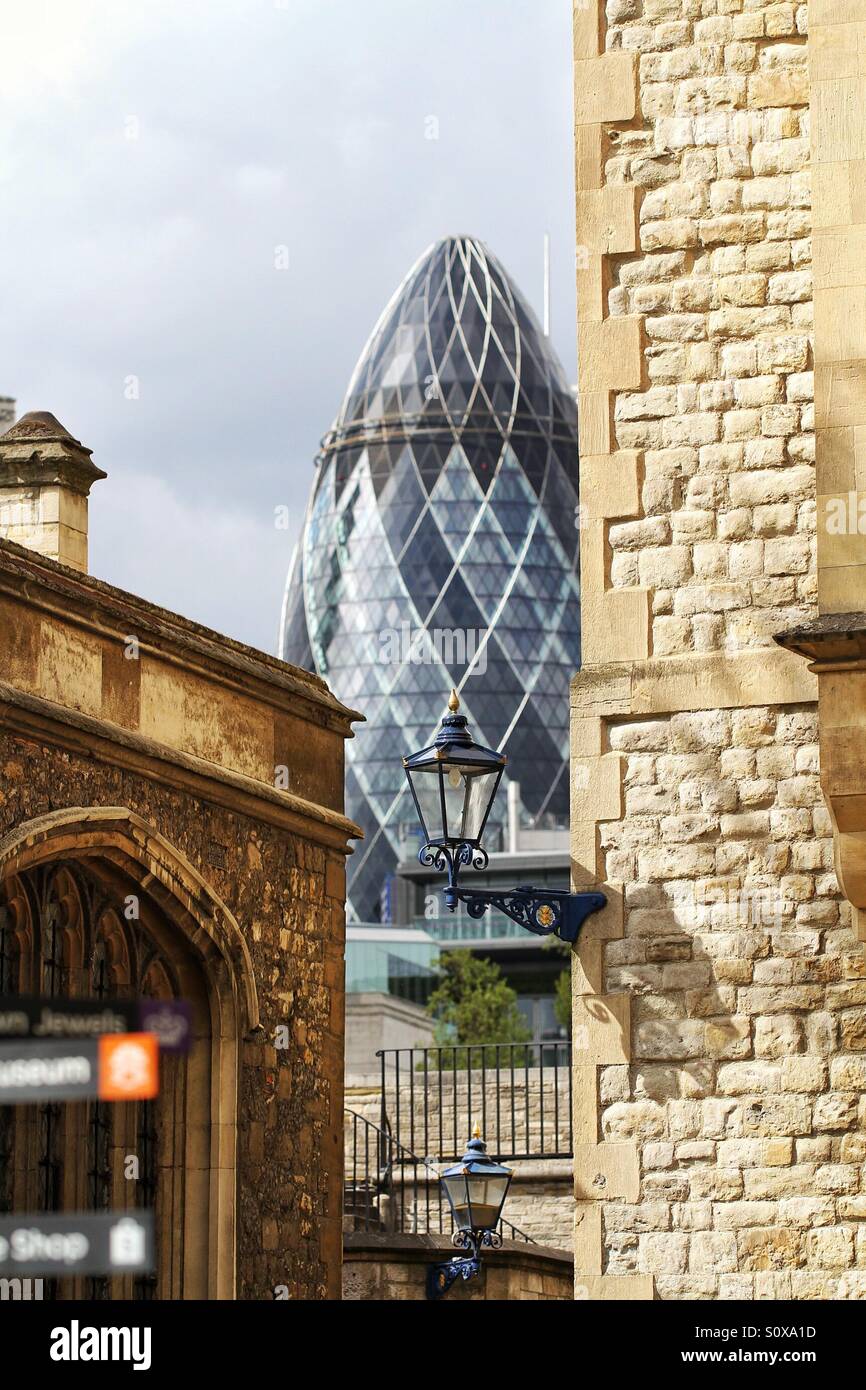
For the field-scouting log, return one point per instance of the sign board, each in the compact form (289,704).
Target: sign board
(106,1242)
(32,1016)
(29,1016)
(118,1066)
(170,1020)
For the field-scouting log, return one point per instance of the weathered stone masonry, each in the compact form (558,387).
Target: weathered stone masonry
(719,999)
(289,1169)
(158,773)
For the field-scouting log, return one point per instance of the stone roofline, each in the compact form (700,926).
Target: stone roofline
(92,603)
(89,668)
(828,639)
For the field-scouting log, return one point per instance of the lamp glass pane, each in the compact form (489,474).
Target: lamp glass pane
(467,794)
(479,792)
(426,788)
(455,785)
(486,1196)
(456,1188)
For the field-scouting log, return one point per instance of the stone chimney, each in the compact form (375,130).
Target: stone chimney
(45,479)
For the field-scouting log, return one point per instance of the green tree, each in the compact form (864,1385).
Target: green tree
(473,1004)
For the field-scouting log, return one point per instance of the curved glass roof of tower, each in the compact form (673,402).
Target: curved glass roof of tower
(440,549)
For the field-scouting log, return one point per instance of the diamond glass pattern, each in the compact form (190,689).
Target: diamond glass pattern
(444,503)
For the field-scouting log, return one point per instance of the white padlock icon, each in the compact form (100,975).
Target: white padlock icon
(127,1242)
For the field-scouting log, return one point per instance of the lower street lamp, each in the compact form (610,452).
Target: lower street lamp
(453,783)
(476,1188)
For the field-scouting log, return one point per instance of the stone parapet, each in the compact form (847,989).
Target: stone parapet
(168,695)
(394,1268)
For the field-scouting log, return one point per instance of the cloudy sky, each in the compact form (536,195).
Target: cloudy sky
(161,162)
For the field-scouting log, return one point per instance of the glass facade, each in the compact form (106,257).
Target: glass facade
(385,960)
(440,549)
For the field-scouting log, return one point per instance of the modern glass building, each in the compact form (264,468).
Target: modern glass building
(440,549)
(388,960)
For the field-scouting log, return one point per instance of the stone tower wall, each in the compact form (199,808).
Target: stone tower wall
(719,999)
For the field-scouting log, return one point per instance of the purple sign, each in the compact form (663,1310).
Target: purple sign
(170,1020)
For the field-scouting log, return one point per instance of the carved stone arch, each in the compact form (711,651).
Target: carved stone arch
(119,834)
(69,918)
(16,949)
(116,947)
(211,962)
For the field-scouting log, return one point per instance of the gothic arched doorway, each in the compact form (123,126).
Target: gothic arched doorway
(95,904)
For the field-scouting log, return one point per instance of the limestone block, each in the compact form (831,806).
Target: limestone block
(602,1023)
(605,88)
(601,1288)
(835,1111)
(831,1247)
(606,1171)
(610,354)
(607,219)
(663,1252)
(716,1184)
(713,1252)
(784,87)
(770,1248)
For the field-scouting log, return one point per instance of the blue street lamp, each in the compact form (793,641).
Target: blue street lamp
(476,1188)
(453,783)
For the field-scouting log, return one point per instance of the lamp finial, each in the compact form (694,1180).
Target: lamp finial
(476,1130)
(454,702)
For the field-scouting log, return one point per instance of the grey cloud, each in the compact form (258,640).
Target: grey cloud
(258,126)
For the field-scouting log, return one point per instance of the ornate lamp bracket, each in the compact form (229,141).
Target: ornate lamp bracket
(543,911)
(449,859)
(540,910)
(440,1277)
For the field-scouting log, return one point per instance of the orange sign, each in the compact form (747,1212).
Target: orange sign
(128,1066)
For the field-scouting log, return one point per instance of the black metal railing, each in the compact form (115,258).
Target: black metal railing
(520,1094)
(367,1179)
(388,1188)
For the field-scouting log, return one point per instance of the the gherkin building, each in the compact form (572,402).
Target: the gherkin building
(440,549)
